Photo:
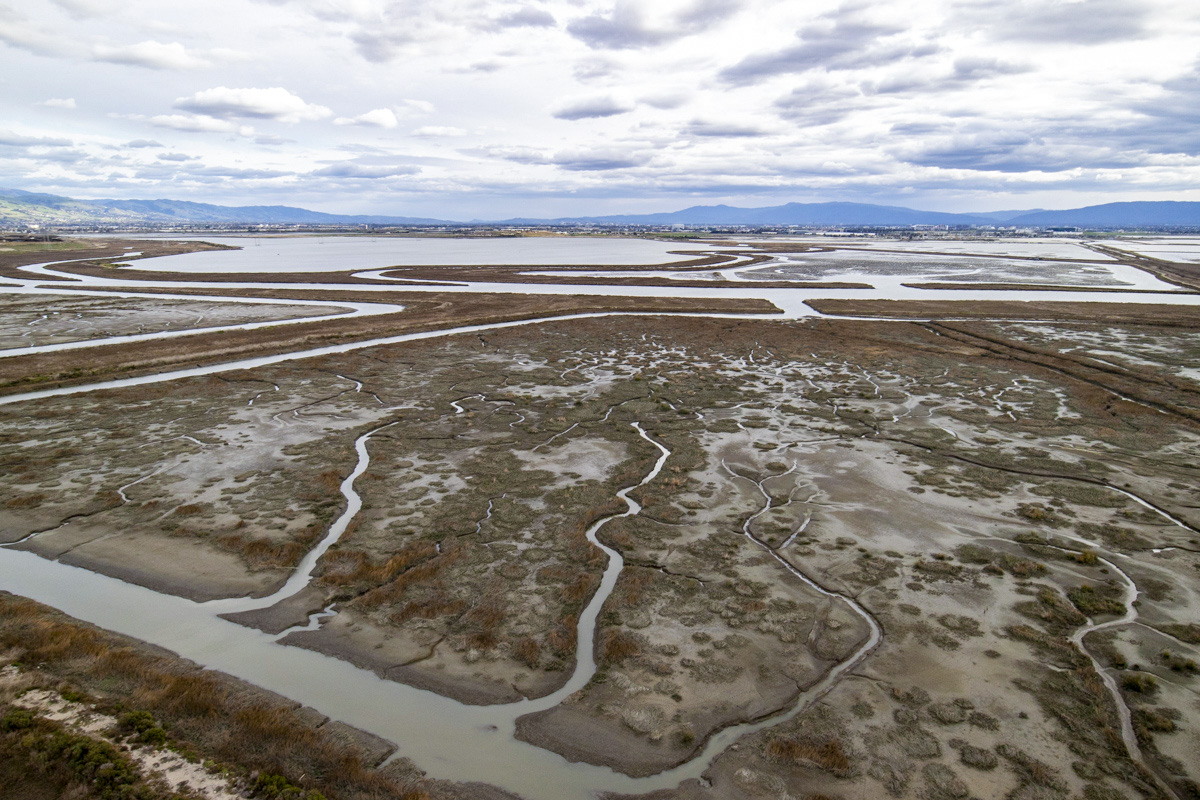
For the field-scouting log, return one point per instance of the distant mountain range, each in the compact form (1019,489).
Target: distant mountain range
(27,208)
(20,208)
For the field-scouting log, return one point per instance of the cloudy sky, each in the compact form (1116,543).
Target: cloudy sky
(488,108)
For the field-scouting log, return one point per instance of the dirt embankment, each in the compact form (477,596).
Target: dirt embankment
(423,312)
(526,274)
(1113,313)
(99,249)
(1025,287)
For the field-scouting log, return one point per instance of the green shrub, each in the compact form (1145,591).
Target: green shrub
(16,720)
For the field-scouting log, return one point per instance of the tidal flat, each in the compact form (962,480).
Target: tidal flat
(956,555)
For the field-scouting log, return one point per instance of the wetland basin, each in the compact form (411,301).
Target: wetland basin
(337,253)
(822,395)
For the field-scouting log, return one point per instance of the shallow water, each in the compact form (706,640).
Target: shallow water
(337,253)
(867,265)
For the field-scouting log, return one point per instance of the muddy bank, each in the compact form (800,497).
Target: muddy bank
(184,568)
(1117,314)
(395,661)
(578,735)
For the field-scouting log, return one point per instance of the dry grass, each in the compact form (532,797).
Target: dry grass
(527,651)
(354,567)
(27,501)
(619,645)
(264,553)
(562,637)
(827,754)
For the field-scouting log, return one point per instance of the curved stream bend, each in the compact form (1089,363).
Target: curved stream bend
(302,576)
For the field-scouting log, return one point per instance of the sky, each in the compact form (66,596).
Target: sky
(487,109)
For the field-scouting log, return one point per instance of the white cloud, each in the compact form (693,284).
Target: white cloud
(88,8)
(151,54)
(19,32)
(59,102)
(437,131)
(412,108)
(378,118)
(198,123)
(607,105)
(275,103)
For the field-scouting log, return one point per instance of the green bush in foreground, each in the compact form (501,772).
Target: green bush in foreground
(94,763)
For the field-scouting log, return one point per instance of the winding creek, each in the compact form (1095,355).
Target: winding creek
(445,738)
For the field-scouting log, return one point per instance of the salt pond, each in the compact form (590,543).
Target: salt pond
(338,253)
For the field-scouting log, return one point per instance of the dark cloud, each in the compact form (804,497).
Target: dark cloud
(238,172)
(725,130)
(598,160)
(515,154)
(60,156)
(527,17)
(483,66)
(591,108)
(86,8)
(1175,116)
(1058,22)
(979,68)
(594,68)
(625,27)
(11,139)
(381,46)
(368,171)
(1014,151)
(967,72)
(269,139)
(920,128)
(819,103)
(841,40)
(666,100)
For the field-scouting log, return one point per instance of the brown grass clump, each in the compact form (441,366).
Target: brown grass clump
(422,574)
(27,501)
(350,567)
(619,645)
(562,637)
(483,619)
(330,479)
(631,588)
(826,754)
(527,651)
(264,553)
